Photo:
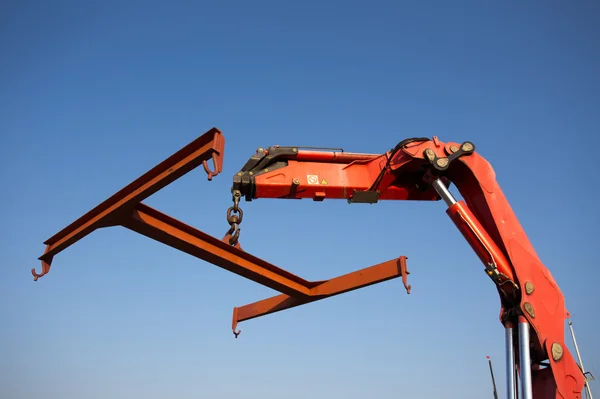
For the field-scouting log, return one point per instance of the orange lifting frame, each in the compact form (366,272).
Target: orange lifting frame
(126,209)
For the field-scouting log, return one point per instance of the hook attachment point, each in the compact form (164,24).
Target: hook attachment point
(234,322)
(404,273)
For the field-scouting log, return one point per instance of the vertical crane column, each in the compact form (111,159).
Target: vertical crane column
(511,383)
(525,359)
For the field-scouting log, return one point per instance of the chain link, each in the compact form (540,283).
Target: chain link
(234,218)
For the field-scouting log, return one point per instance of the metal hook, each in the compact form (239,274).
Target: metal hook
(45,270)
(232,239)
(233,234)
(234,323)
(210,173)
(404,272)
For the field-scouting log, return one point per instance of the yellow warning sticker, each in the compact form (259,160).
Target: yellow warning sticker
(323,181)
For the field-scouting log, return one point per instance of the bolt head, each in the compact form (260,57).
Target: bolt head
(467,147)
(442,162)
(453,148)
(529,287)
(296,182)
(430,154)
(529,309)
(557,351)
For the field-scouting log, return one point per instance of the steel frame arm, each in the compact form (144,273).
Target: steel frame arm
(287,172)
(422,169)
(208,146)
(336,286)
(126,209)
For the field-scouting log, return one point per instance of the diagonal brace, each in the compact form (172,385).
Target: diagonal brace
(176,234)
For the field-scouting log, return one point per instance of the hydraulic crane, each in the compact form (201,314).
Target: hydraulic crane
(416,169)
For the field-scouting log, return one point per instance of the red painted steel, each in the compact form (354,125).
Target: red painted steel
(475,179)
(337,180)
(482,244)
(484,217)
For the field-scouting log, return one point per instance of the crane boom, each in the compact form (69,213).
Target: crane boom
(423,169)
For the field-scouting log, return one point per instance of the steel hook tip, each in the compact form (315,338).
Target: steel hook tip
(234,323)
(35,275)
(216,171)
(45,270)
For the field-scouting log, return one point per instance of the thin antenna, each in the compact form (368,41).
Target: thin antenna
(585,375)
(493,379)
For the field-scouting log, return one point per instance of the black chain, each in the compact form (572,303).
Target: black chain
(234,218)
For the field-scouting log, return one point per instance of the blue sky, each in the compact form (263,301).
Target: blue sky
(96,93)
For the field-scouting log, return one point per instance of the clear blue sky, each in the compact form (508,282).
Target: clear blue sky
(95,93)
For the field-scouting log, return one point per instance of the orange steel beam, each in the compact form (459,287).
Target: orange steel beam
(208,146)
(167,230)
(124,208)
(339,285)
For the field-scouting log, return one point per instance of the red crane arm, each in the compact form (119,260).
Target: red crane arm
(422,169)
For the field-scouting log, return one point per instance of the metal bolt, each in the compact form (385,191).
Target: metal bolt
(250,173)
(239,173)
(296,182)
(294,149)
(453,148)
(430,154)
(442,162)
(529,309)
(467,147)
(529,287)
(557,351)
(260,149)
(266,170)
